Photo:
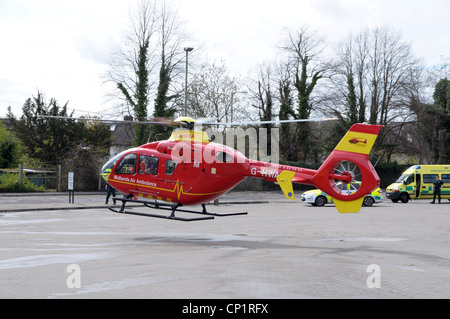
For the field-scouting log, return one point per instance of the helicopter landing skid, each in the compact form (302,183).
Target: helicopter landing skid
(166,206)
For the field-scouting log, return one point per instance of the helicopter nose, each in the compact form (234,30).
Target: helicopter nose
(105,174)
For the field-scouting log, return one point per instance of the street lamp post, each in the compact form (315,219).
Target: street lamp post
(186,80)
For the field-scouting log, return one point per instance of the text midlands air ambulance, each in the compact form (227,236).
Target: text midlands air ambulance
(417,183)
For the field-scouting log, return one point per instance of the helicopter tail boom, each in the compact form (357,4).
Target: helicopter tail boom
(347,175)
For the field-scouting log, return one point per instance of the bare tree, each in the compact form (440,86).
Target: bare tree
(212,94)
(346,98)
(134,60)
(288,145)
(146,64)
(304,49)
(171,39)
(391,63)
(375,80)
(262,95)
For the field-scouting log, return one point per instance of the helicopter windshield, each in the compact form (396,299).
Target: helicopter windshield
(107,168)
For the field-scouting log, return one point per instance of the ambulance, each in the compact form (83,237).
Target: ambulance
(417,183)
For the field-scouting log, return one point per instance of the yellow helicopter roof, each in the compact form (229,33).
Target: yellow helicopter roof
(185,119)
(189,136)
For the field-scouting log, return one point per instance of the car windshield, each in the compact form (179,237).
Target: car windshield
(402,178)
(348,187)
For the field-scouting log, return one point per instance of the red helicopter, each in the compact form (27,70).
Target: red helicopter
(189,169)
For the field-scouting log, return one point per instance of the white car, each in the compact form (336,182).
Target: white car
(316,197)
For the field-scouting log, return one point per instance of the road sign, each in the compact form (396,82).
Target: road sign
(70,181)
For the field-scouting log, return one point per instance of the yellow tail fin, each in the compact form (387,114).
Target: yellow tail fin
(353,206)
(285,181)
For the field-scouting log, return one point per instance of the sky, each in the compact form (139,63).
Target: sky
(63,47)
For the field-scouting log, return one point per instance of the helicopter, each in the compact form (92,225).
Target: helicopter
(189,169)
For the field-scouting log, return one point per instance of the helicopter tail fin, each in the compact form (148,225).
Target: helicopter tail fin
(285,182)
(350,162)
(344,207)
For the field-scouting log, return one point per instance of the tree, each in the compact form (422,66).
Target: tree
(50,140)
(304,49)
(441,136)
(441,94)
(352,67)
(212,94)
(172,37)
(391,62)
(375,80)
(132,65)
(45,139)
(85,163)
(9,147)
(262,97)
(288,145)
(146,64)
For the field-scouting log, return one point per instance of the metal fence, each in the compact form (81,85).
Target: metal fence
(50,178)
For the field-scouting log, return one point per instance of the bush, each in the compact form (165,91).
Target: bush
(390,172)
(9,183)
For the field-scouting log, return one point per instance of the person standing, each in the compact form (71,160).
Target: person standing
(110,191)
(437,185)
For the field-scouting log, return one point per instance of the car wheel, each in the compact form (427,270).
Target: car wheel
(368,201)
(320,201)
(404,197)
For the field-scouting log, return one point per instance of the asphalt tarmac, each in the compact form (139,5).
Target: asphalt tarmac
(281,249)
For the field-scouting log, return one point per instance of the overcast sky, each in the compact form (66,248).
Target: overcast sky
(62,47)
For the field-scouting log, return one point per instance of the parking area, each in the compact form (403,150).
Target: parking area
(281,249)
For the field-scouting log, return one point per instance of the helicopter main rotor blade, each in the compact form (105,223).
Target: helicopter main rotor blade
(161,122)
(186,124)
(268,122)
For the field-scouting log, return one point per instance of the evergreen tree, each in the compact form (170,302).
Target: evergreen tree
(441,94)
(9,147)
(50,140)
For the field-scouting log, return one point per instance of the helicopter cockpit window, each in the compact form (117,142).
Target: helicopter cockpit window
(224,157)
(107,168)
(148,165)
(127,165)
(170,167)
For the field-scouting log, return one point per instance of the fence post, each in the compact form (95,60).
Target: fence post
(59,178)
(100,179)
(20,176)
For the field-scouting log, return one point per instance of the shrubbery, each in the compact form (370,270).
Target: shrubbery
(9,183)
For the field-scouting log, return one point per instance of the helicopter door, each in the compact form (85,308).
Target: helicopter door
(170,167)
(148,165)
(150,182)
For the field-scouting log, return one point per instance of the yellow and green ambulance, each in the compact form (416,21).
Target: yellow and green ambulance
(417,183)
